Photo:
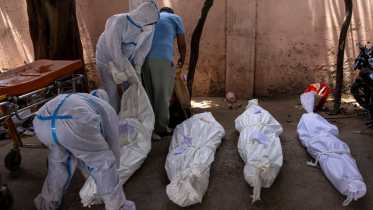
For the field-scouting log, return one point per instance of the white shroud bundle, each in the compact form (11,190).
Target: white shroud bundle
(321,139)
(259,146)
(136,124)
(191,153)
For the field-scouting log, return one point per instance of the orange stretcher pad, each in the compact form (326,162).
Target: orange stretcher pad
(35,75)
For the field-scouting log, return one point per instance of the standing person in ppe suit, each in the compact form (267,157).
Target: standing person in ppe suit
(127,36)
(80,127)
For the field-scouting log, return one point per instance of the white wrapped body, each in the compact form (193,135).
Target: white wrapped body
(321,140)
(191,153)
(259,146)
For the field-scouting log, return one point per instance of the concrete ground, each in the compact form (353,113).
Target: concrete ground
(297,186)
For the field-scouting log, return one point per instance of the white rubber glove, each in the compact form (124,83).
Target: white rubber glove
(117,75)
(120,76)
(138,72)
(83,169)
(132,75)
(129,205)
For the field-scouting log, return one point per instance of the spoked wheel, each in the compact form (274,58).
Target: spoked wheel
(6,200)
(362,94)
(13,160)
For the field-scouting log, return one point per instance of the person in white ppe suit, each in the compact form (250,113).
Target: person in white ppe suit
(80,127)
(126,36)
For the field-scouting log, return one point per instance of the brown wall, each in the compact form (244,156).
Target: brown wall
(296,43)
(15,41)
(240,47)
(210,73)
(269,48)
(92,16)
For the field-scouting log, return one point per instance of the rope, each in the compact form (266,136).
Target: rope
(349,198)
(264,124)
(337,151)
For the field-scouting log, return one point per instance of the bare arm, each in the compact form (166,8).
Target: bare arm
(182,48)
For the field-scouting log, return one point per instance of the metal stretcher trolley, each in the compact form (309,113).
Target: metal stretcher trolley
(29,87)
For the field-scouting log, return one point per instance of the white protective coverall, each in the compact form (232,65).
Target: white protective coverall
(126,37)
(80,127)
(136,124)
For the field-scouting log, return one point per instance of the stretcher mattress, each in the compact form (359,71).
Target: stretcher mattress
(35,75)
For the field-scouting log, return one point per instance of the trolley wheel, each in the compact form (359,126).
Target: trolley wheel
(7,201)
(13,160)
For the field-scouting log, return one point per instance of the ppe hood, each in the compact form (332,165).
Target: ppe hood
(146,13)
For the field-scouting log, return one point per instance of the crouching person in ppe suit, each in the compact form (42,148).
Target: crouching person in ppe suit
(129,37)
(80,127)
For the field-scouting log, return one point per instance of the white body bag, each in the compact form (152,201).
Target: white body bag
(259,146)
(136,124)
(321,140)
(191,153)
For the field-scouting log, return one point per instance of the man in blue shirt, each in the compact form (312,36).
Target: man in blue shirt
(158,70)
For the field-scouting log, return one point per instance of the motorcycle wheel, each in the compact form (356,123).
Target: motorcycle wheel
(363,95)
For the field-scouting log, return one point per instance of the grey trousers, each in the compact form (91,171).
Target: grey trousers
(110,86)
(159,79)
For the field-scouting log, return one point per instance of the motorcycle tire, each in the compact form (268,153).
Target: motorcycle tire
(363,95)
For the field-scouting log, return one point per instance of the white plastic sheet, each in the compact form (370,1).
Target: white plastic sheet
(191,153)
(136,124)
(321,139)
(259,146)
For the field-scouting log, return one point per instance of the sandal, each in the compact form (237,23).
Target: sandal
(156,137)
(167,133)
